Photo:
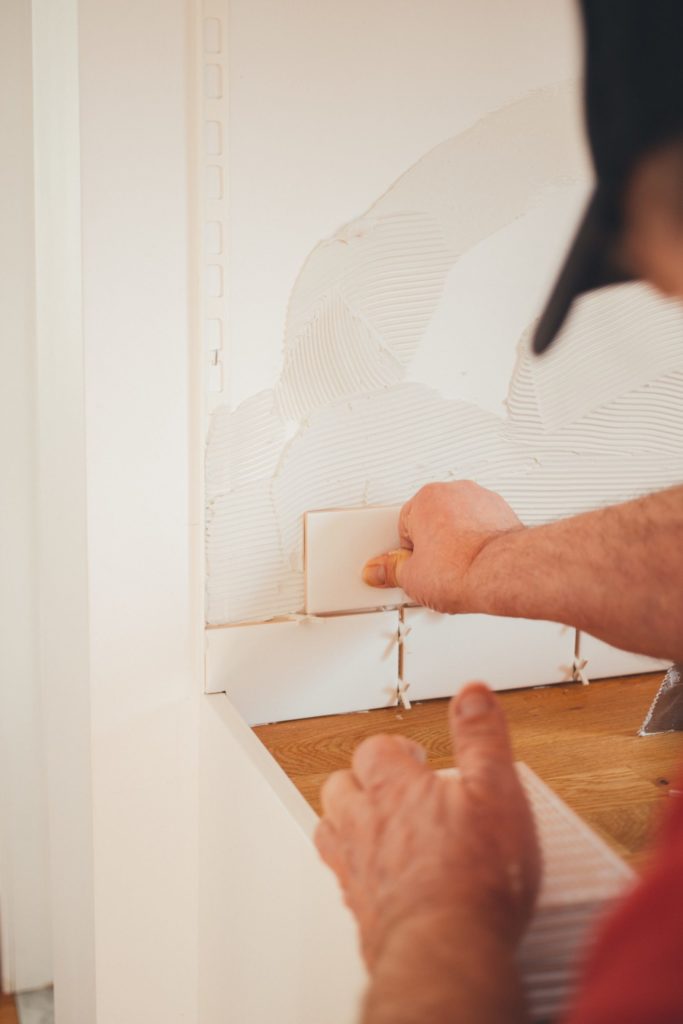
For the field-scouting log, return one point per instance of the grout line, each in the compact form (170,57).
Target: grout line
(580,676)
(402,699)
(313,616)
(401,621)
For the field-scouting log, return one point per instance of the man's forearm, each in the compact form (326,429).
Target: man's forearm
(426,976)
(616,573)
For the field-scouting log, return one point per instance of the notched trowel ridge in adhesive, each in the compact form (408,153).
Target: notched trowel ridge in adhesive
(359,309)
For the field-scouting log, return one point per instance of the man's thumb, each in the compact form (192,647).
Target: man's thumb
(386,570)
(481,740)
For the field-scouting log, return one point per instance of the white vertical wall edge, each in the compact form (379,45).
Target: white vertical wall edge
(140,311)
(63,568)
(25,936)
(214,186)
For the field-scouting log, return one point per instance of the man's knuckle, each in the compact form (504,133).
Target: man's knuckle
(428,491)
(467,487)
(367,752)
(335,788)
(490,770)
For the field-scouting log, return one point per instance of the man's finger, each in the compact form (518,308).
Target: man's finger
(327,844)
(337,792)
(481,741)
(382,759)
(405,536)
(386,570)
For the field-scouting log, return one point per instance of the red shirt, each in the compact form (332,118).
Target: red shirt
(635,973)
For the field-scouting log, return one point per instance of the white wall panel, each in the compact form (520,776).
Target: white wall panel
(25,926)
(62,506)
(140,251)
(278,944)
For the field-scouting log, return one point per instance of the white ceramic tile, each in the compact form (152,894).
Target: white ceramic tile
(604,661)
(282,670)
(338,543)
(443,652)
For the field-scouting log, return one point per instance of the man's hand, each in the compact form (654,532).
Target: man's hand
(443,866)
(614,573)
(442,530)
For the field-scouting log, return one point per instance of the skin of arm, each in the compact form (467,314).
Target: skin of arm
(616,573)
(443,974)
(440,872)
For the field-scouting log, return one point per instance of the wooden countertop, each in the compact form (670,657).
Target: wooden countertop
(8,1012)
(582,740)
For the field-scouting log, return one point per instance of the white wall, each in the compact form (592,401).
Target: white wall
(278,944)
(388,167)
(402,182)
(62,526)
(24,896)
(118,525)
(330,103)
(139,311)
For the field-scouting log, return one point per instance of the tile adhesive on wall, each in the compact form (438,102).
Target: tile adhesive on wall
(595,421)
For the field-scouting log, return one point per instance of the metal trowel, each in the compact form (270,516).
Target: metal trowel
(666,710)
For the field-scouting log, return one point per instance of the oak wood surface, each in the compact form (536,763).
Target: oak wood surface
(582,740)
(8,1013)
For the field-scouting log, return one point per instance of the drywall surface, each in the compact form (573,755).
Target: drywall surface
(404,355)
(25,921)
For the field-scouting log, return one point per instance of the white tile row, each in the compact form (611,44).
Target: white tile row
(277,671)
(443,652)
(282,670)
(603,661)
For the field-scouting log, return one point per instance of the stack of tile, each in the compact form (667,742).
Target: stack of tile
(582,877)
